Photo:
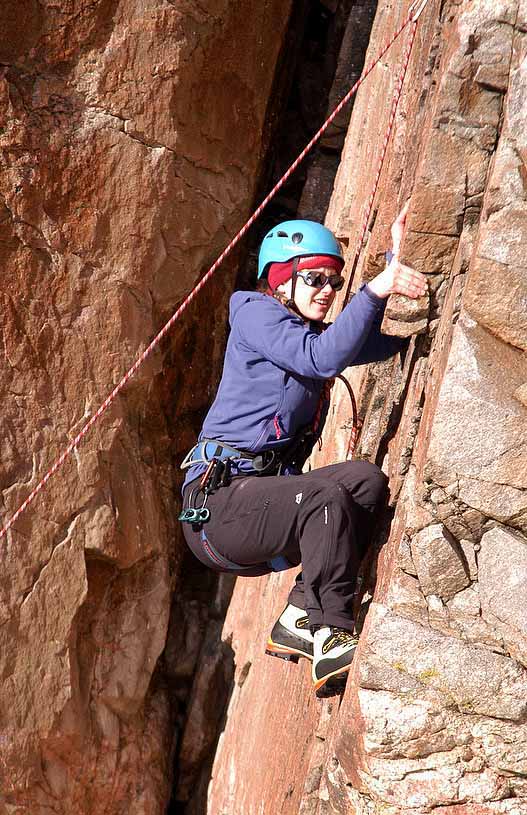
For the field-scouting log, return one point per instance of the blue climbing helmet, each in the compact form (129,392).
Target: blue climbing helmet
(293,239)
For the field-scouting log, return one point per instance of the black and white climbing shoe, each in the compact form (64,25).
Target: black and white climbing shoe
(333,654)
(291,637)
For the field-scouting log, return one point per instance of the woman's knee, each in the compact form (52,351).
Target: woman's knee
(367,482)
(360,481)
(323,492)
(372,473)
(376,481)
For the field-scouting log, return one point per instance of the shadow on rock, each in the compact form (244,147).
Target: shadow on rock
(195,645)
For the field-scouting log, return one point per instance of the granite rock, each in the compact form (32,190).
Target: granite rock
(440,562)
(433,715)
(503,587)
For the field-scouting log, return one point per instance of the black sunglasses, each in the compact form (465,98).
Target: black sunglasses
(318,279)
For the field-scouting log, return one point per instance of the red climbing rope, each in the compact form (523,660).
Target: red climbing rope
(414,12)
(369,206)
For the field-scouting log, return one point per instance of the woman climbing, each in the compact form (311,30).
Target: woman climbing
(247,508)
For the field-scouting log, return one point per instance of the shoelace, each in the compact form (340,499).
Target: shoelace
(343,637)
(302,622)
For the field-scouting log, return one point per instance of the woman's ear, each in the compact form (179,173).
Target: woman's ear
(285,288)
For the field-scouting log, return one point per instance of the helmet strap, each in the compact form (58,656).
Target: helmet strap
(291,302)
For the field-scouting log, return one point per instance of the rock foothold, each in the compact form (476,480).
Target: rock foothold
(440,562)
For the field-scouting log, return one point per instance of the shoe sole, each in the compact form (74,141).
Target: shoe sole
(341,672)
(334,687)
(286,652)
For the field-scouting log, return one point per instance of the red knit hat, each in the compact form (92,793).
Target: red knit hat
(279,273)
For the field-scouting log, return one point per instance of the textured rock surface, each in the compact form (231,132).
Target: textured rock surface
(433,716)
(131,141)
(439,562)
(503,587)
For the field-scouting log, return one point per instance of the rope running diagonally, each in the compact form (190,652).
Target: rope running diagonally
(414,12)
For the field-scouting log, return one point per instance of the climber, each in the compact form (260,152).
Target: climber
(247,508)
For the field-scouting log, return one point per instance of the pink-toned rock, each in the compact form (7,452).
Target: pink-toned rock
(502,262)
(272,705)
(478,680)
(406,597)
(131,143)
(486,441)
(503,587)
(521,394)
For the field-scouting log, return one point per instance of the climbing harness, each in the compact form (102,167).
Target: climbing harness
(217,474)
(219,458)
(415,11)
(208,450)
(201,515)
(212,479)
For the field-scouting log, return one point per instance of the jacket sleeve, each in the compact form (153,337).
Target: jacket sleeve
(271,330)
(378,347)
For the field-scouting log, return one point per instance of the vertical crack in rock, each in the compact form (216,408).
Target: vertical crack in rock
(433,717)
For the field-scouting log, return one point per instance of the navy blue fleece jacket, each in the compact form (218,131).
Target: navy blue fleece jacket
(276,364)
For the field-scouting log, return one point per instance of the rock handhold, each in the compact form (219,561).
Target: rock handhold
(404,317)
(521,394)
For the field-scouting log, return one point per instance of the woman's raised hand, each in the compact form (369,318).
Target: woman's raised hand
(398,278)
(397,229)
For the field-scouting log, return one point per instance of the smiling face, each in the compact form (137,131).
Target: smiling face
(312,303)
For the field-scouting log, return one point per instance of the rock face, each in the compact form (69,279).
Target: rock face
(433,716)
(132,137)
(131,143)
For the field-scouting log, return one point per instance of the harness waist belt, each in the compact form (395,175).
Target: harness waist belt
(207,449)
(263,463)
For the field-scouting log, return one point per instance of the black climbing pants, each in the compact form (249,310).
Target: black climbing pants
(322,519)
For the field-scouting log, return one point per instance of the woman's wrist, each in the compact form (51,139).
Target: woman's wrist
(381,285)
